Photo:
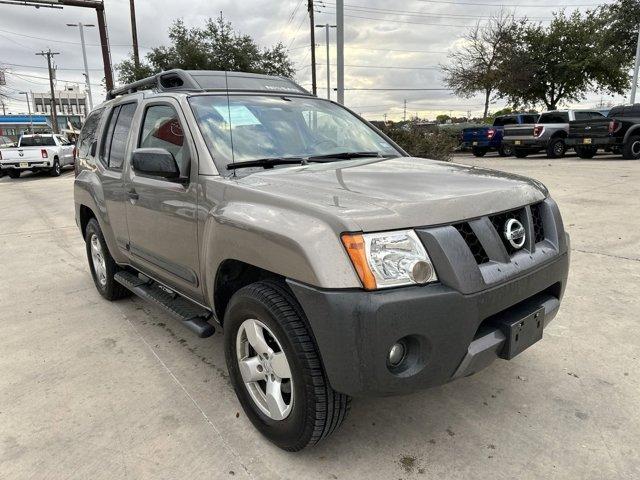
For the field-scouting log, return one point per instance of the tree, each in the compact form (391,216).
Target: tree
(560,63)
(216,46)
(618,26)
(474,67)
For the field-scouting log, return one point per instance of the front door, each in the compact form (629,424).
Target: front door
(161,213)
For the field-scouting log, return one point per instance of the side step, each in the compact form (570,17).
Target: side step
(191,315)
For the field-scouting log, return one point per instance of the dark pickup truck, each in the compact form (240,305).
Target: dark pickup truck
(619,132)
(484,139)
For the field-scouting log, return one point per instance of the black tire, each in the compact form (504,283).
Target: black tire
(55,170)
(505,150)
(317,410)
(586,152)
(556,148)
(520,153)
(110,289)
(13,173)
(631,148)
(479,151)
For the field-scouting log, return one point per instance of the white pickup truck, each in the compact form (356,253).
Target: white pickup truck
(37,152)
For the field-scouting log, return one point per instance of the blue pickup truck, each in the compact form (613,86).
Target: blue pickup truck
(485,139)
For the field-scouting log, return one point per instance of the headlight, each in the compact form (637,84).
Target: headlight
(389,259)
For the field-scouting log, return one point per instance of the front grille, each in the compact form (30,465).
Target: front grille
(472,242)
(501,219)
(538,225)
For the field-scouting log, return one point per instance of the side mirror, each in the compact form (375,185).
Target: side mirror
(156,162)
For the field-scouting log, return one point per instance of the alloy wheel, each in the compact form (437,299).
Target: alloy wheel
(97,257)
(265,369)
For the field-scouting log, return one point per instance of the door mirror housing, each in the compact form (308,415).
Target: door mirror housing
(156,162)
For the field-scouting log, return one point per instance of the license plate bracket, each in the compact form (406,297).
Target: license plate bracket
(587,141)
(518,142)
(521,332)
(24,165)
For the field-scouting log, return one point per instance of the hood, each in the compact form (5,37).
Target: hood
(384,194)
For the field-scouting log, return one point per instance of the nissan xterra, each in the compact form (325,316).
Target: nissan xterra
(336,264)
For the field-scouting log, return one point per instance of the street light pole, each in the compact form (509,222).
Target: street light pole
(634,84)
(26,94)
(326,26)
(340,48)
(81,26)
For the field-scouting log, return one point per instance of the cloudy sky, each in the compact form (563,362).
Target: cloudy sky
(388,44)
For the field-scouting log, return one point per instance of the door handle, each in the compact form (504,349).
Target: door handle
(133,195)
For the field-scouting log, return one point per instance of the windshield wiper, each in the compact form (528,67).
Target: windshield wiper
(267,162)
(342,156)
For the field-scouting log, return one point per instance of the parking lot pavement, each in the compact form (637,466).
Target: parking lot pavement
(92,389)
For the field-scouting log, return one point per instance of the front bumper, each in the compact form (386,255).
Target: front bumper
(451,326)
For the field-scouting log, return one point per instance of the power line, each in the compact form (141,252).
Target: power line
(53,40)
(40,67)
(404,21)
(520,5)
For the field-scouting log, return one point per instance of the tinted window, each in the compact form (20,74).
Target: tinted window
(121,135)
(529,118)
(502,121)
(554,117)
(105,148)
(37,142)
(616,112)
(162,129)
(88,134)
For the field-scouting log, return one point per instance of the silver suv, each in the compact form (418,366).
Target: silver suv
(336,264)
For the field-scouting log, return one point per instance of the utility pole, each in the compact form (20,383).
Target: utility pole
(314,84)
(340,49)
(81,27)
(54,115)
(26,94)
(405,110)
(134,34)
(326,26)
(634,84)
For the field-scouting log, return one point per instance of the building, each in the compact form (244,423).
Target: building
(69,101)
(13,126)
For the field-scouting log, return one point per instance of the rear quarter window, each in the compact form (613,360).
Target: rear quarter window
(555,117)
(89,134)
(502,121)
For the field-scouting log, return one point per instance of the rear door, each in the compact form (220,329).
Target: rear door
(113,150)
(161,213)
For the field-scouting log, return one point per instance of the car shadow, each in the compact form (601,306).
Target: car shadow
(35,176)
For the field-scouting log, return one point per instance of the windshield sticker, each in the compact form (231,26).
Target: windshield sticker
(240,115)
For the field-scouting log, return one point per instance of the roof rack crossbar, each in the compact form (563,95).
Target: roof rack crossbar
(170,80)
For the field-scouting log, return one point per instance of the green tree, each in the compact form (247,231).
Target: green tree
(618,26)
(560,63)
(216,46)
(475,66)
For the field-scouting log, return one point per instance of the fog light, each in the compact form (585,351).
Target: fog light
(420,271)
(396,354)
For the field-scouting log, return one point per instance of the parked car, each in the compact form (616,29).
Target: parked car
(36,153)
(337,265)
(6,142)
(548,134)
(618,132)
(489,138)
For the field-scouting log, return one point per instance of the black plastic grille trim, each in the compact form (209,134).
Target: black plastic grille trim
(472,242)
(538,225)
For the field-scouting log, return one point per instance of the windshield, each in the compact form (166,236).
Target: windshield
(250,128)
(37,142)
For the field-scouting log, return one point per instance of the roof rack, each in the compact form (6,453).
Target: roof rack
(178,80)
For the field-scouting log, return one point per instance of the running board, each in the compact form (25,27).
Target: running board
(191,315)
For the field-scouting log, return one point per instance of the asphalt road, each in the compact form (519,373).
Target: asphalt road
(92,389)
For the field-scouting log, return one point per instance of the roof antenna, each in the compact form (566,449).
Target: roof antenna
(233,154)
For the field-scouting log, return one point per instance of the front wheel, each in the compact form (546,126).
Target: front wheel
(275,368)
(479,151)
(631,148)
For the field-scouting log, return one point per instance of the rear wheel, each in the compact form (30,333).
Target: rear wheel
(520,153)
(556,148)
(13,173)
(505,150)
(55,170)
(275,368)
(586,152)
(479,151)
(631,148)
(103,267)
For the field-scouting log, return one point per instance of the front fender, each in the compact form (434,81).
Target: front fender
(293,244)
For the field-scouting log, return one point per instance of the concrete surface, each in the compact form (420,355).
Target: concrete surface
(92,389)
